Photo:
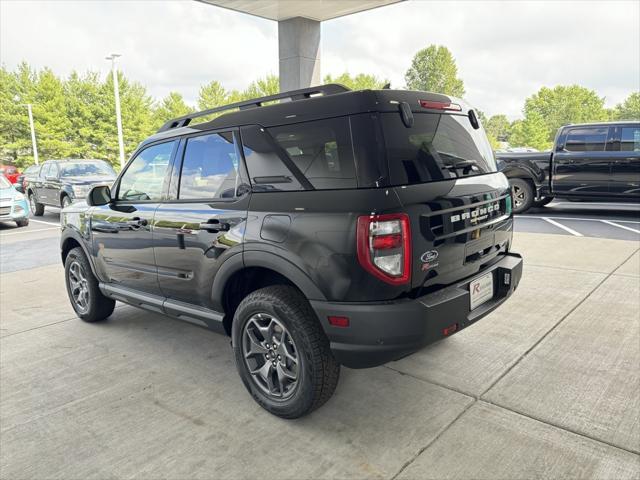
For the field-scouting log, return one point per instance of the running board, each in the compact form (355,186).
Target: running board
(190,313)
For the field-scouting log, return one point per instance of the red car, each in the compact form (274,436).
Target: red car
(12,173)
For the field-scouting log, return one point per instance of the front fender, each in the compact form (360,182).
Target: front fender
(70,233)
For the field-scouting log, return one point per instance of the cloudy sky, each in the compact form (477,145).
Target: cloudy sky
(505,50)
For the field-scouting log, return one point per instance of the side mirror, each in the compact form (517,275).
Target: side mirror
(99,195)
(19,187)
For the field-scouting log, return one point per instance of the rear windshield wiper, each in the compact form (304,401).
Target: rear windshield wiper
(464,165)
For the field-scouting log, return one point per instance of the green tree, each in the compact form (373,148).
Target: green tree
(498,126)
(16,88)
(50,116)
(212,95)
(262,87)
(171,106)
(92,109)
(565,104)
(530,132)
(434,69)
(361,81)
(629,109)
(137,123)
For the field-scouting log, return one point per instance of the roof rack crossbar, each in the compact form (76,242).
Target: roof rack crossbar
(329,89)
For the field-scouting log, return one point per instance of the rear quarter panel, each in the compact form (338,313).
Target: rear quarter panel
(320,239)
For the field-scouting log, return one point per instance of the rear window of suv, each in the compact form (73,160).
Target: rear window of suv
(436,147)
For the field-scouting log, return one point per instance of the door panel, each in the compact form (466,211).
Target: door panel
(582,167)
(122,230)
(39,184)
(188,253)
(204,224)
(625,169)
(123,245)
(52,185)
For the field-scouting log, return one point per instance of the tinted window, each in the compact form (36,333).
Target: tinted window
(321,150)
(86,169)
(49,170)
(436,147)
(145,175)
(210,168)
(630,139)
(590,139)
(266,169)
(32,170)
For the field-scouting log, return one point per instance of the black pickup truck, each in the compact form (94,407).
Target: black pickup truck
(588,162)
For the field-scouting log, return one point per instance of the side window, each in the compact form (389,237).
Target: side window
(45,170)
(145,175)
(630,139)
(321,150)
(588,139)
(210,168)
(266,170)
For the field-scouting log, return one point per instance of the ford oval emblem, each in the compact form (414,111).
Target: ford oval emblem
(430,256)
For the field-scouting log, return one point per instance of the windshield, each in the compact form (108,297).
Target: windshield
(436,147)
(86,169)
(4,183)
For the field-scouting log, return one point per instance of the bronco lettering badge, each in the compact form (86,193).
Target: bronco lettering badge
(477,215)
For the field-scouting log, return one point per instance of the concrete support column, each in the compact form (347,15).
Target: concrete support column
(299,52)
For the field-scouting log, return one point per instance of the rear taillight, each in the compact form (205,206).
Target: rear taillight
(384,247)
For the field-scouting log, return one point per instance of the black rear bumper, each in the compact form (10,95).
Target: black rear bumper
(381,332)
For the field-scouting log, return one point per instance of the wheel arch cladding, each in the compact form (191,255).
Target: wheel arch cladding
(250,276)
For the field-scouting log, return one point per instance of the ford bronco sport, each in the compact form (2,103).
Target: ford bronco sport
(318,228)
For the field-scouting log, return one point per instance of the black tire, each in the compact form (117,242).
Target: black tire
(23,222)
(541,203)
(36,208)
(98,307)
(522,194)
(65,201)
(316,369)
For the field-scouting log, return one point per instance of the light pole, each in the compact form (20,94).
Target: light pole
(116,93)
(33,129)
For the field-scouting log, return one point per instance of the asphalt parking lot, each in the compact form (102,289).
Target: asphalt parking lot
(546,386)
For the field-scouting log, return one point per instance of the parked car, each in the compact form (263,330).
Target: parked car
(60,182)
(10,172)
(336,228)
(30,173)
(594,162)
(13,204)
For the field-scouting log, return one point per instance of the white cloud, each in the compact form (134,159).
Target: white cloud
(505,51)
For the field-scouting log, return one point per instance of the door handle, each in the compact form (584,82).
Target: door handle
(214,225)
(137,222)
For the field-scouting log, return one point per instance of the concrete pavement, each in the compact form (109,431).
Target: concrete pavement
(545,387)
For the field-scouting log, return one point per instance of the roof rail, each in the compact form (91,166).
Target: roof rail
(328,89)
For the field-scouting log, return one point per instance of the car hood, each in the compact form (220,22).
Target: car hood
(89,180)
(7,193)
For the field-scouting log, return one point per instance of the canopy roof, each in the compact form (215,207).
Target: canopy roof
(318,10)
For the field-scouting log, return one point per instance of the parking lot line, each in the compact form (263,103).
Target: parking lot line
(42,221)
(559,225)
(29,231)
(613,224)
(576,218)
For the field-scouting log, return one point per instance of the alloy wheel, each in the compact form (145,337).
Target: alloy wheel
(519,196)
(270,355)
(79,287)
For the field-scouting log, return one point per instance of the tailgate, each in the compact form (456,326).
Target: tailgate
(457,227)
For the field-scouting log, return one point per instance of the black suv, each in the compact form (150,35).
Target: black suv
(60,182)
(333,227)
